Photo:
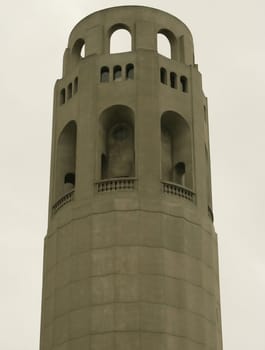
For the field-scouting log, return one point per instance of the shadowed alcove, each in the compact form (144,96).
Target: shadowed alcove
(66,160)
(176,151)
(117,142)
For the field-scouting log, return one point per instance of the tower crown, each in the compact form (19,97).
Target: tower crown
(140,92)
(143,23)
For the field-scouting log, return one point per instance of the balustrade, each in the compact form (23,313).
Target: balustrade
(178,190)
(117,184)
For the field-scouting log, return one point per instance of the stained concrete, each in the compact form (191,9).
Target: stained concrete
(130,262)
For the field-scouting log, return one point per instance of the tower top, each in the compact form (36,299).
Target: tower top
(94,33)
(133,11)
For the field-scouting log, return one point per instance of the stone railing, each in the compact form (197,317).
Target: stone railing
(66,198)
(210,213)
(116,184)
(178,190)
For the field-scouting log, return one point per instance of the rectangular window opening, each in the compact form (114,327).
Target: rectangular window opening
(173,80)
(69,91)
(62,97)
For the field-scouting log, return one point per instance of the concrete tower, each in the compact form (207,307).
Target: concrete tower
(130,259)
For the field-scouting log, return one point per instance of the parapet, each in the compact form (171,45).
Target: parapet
(92,35)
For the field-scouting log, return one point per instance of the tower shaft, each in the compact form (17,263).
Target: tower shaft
(130,258)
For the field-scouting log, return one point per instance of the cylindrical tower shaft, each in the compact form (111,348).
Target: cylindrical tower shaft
(130,258)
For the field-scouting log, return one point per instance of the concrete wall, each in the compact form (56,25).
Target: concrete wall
(131,262)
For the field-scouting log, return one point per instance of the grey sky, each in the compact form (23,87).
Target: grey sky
(230,51)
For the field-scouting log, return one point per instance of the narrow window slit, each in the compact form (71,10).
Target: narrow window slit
(69,91)
(62,97)
(117,75)
(75,85)
(163,76)
(104,75)
(173,80)
(130,71)
(184,83)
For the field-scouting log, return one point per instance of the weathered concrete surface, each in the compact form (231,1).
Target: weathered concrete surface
(130,263)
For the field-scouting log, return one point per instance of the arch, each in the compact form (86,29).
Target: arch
(78,50)
(120,39)
(70,179)
(117,142)
(176,149)
(163,45)
(104,74)
(167,44)
(66,160)
(83,51)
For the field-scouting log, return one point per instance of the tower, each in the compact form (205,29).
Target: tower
(130,257)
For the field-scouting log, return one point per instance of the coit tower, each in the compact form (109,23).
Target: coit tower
(130,257)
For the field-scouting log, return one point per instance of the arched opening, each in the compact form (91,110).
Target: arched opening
(163,76)
(167,44)
(78,50)
(69,181)
(117,73)
(130,71)
(120,150)
(83,51)
(117,142)
(66,160)
(176,150)
(120,39)
(163,45)
(173,80)
(104,75)
(184,83)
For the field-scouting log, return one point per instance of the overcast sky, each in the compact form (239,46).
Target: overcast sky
(230,51)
